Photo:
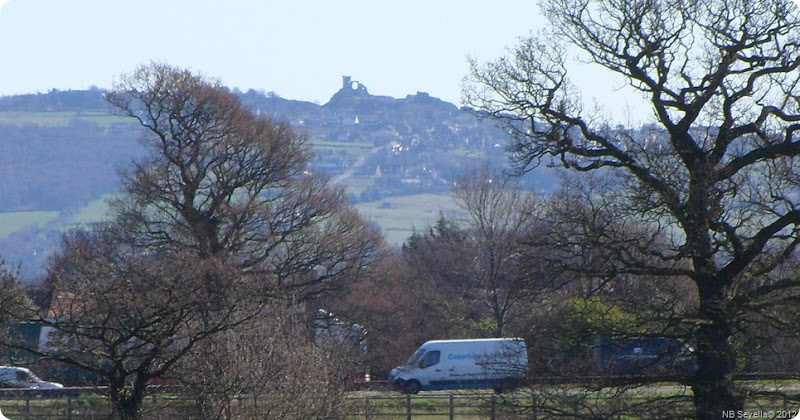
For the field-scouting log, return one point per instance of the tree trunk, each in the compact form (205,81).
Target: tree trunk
(713,387)
(126,403)
(128,410)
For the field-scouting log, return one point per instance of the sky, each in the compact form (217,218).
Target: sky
(298,49)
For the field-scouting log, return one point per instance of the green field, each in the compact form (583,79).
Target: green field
(59,118)
(400,216)
(15,221)
(94,212)
(352,149)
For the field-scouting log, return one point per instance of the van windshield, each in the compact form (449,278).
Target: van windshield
(415,358)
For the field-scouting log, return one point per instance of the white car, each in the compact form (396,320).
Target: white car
(19,377)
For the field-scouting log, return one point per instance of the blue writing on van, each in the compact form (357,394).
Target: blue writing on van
(452,356)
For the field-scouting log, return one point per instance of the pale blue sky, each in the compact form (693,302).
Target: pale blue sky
(299,49)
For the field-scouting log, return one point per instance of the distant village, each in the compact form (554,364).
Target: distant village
(408,146)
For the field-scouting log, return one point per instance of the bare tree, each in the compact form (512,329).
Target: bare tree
(222,218)
(13,294)
(499,211)
(436,275)
(222,180)
(269,367)
(126,316)
(715,174)
(589,253)
(397,313)
(472,263)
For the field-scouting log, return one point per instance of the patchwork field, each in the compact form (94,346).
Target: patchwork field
(400,216)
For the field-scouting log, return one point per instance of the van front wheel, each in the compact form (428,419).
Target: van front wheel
(411,387)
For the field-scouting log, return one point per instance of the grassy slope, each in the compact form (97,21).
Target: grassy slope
(94,212)
(58,118)
(12,222)
(407,213)
(398,221)
(398,218)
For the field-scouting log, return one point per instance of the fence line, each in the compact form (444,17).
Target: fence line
(355,407)
(367,407)
(449,406)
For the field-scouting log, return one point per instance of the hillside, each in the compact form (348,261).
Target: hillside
(62,151)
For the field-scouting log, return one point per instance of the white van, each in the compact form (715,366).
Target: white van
(18,377)
(498,363)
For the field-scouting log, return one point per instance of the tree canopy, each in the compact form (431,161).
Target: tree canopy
(714,174)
